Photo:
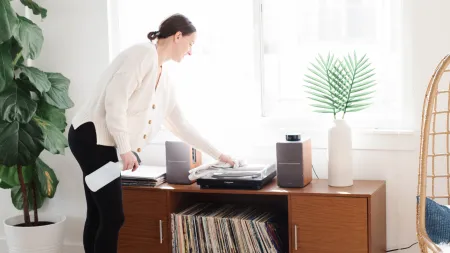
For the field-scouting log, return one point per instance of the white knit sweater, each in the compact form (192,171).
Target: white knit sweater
(128,112)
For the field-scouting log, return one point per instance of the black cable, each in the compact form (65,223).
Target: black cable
(402,248)
(315,171)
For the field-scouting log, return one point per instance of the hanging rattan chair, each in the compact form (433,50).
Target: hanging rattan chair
(434,168)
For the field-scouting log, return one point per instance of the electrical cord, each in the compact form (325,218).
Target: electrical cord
(314,171)
(402,248)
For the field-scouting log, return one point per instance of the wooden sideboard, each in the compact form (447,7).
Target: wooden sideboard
(318,218)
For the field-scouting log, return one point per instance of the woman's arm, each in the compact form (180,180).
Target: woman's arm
(180,127)
(118,92)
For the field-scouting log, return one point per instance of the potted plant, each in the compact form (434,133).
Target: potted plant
(340,86)
(32,119)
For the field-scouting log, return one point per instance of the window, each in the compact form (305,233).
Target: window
(249,61)
(295,32)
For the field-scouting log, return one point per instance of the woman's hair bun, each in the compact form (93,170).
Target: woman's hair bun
(153,35)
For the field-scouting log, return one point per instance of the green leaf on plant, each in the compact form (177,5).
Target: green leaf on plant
(17,197)
(37,10)
(58,95)
(16,105)
(360,94)
(337,83)
(318,88)
(318,95)
(364,87)
(20,143)
(10,175)
(36,77)
(322,106)
(47,179)
(357,109)
(4,185)
(52,114)
(24,83)
(6,65)
(324,111)
(29,36)
(364,83)
(323,101)
(8,20)
(54,140)
(16,49)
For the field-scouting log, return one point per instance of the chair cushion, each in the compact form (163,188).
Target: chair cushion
(437,221)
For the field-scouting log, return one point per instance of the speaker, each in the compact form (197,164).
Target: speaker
(180,158)
(294,162)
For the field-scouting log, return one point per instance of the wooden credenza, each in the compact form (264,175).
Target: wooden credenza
(319,218)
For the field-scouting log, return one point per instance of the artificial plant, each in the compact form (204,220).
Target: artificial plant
(32,112)
(340,85)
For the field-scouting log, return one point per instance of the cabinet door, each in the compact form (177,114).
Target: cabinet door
(328,224)
(145,227)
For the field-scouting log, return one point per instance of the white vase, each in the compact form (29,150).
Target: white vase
(39,239)
(340,171)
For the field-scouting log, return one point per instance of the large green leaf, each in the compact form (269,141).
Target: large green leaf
(37,10)
(20,143)
(30,37)
(8,20)
(47,179)
(36,77)
(10,175)
(52,114)
(24,83)
(54,140)
(58,95)
(16,49)
(17,197)
(6,65)
(16,105)
(4,185)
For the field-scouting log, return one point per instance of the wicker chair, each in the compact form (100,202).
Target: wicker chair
(434,168)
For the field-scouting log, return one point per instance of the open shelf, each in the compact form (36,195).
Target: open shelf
(276,204)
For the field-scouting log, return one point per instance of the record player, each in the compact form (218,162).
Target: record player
(246,177)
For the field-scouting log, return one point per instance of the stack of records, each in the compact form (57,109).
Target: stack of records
(206,227)
(144,176)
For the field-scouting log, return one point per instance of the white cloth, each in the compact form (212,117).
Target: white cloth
(206,169)
(126,109)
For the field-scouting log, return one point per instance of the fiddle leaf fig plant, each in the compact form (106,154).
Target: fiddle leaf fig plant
(340,85)
(32,112)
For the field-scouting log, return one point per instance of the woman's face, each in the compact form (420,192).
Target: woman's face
(183,45)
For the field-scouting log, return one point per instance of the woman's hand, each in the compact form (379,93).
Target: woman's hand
(226,159)
(129,161)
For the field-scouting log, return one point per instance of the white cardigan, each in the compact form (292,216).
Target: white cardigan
(128,112)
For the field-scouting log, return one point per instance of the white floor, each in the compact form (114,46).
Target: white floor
(67,248)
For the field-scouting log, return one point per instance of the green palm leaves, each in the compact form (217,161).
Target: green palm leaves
(340,85)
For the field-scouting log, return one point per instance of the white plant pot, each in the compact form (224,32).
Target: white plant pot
(39,239)
(340,171)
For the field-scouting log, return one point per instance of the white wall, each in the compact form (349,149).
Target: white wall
(76,44)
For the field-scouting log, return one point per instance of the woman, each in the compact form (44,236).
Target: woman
(134,97)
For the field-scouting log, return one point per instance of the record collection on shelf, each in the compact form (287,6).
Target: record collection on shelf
(227,228)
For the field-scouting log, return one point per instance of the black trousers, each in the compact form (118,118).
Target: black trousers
(104,208)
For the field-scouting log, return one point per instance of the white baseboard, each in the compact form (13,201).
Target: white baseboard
(68,247)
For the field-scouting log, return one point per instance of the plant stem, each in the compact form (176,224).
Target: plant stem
(36,218)
(17,58)
(23,188)
(350,90)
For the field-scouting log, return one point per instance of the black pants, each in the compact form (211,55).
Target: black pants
(104,208)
